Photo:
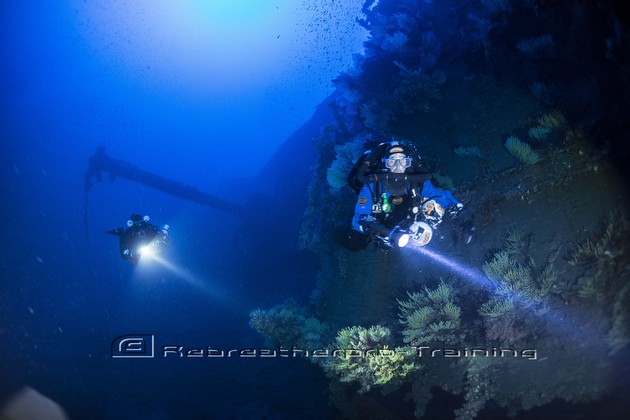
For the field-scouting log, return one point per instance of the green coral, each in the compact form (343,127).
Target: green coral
(589,287)
(441,295)
(519,290)
(547,280)
(553,119)
(603,275)
(279,327)
(516,239)
(444,181)
(496,308)
(598,259)
(521,151)
(540,132)
(607,245)
(314,334)
(430,316)
(364,356)
(288,325)
(465,151)
(517,282)
(451,312)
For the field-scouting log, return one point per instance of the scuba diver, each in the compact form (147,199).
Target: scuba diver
(140,238)
(397,201)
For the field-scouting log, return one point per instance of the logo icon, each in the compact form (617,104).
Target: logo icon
(133,346)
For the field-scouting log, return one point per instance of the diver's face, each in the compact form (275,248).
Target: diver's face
(397,163)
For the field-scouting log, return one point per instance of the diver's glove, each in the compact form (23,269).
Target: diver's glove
(365,222)
(467,231)
(463,220)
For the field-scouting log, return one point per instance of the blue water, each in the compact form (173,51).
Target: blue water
(83,74)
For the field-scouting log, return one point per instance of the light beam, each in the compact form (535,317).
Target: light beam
(198,283)
(560,320)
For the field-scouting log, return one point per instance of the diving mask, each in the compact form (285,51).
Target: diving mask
(397,159)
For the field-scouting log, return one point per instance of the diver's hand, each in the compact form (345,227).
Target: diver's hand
(468,230)
(464,222)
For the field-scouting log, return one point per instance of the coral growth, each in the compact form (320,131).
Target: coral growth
(393,90)
(346,155)
(552,119)
(607,245)
(496,308)
(477,390)
(473,151)
(375,116)
(521,151)
(364,356)
(430,316)
(444,181)
(415,92)
(543,44)
(546,124)
(517,241)
(394,42)
(619,335)
(505,329)
(603,275)
(287,325)
(540,132)
(517,282)
(597,259)
(518,290)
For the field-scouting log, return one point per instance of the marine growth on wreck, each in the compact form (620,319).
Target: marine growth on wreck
(480,89)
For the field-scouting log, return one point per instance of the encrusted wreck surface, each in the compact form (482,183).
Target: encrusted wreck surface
(558,204)
(539,302)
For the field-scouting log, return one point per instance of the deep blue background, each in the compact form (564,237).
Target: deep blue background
(65,295)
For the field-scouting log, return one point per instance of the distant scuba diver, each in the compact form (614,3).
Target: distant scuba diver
(140,238)
(397,201)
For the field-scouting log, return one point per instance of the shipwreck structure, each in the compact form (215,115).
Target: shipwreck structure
(101,163)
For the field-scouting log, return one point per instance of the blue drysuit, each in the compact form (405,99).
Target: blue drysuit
(429,191)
